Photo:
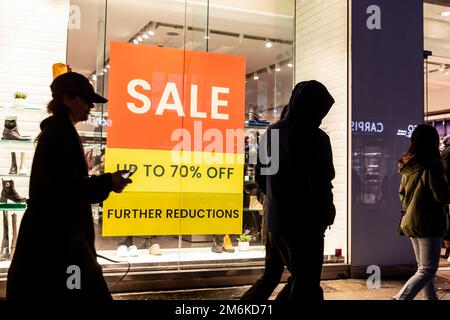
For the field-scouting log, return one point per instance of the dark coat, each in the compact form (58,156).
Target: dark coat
(299,195)
(57,228)
(445,156)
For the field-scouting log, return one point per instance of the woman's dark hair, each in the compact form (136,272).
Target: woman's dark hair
(284,112)
(57,108)
(424,144)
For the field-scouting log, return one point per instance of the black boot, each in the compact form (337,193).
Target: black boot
(10,131)
(10,193)
(4,248)
(13,169)
(217,246)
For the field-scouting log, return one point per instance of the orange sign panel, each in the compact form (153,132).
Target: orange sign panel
(155,91)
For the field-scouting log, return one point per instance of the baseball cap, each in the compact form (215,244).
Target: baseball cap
(75,84)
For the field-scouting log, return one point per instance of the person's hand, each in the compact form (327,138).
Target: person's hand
(118,182)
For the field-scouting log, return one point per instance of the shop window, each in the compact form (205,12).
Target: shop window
(262,34)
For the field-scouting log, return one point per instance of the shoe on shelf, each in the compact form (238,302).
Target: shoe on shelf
(227,244)
(155,250)
(10,131)
(133,251)
(22,169)
(4,254)
(122,251)
(447,253)
(216,246)
(9,192)
(13,168)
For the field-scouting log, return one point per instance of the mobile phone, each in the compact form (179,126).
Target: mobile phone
(130,172)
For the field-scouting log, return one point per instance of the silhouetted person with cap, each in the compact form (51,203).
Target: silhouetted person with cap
(299,201)
(56,238)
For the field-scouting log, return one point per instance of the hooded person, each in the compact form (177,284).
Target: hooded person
(55,257)
(299,196)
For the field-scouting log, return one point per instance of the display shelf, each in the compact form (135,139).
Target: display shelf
(13,206)
(250,126)
(99,113)
(252,210)
(96,135)
(102,145)
(16,142)
(15,175)
(36,109)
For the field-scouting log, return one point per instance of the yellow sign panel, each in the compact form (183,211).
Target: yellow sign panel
(178,171)
(139,213)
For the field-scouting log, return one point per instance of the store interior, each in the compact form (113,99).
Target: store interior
(262,31)
(437,67)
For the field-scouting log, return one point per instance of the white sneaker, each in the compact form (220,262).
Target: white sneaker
(122,251)
(133,251)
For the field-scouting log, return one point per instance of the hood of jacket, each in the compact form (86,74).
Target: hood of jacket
(309,104)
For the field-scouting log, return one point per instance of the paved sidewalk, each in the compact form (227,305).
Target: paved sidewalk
(346,289)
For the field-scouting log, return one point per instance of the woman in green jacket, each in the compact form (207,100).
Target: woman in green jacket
(424,194)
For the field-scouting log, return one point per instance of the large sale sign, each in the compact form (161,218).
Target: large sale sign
(177,116)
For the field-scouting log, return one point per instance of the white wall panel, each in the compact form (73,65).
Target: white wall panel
(321,54)
(33,36)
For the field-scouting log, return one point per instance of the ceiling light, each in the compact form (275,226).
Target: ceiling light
(94,77)
(206,37)
(145,36)
(140,39)
(290,65)
(135,41)
(105,70)
(108,66)
(269,44)
(151,32)
(277,68)
(255,77)
(446,72)
(442,68)
(445,14)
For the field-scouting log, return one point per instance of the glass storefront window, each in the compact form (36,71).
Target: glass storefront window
(262,33)
(202,67)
